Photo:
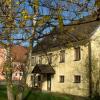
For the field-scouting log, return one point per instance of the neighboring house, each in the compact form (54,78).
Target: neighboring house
(62,61)
(19,55)
(2,60)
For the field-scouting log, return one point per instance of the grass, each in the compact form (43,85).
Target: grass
(45,96)
(3,95)
(30,95)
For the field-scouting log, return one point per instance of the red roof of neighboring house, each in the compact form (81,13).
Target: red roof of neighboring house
(19,53)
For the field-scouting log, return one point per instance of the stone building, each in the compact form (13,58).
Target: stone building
(68,61)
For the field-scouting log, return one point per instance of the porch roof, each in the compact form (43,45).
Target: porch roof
(43,69)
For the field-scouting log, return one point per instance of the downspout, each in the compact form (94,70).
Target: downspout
(90,69)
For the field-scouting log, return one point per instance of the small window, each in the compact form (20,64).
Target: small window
(61,79)
(77,78)
(77,54)
(62,56)
(50,58)
(21,74)
(15,74)
(33,60)
(39,78)
(40,59)
(31,77)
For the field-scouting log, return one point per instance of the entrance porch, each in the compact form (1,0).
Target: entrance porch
(43,76)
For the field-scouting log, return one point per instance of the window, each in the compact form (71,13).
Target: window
(33,60)
(61,78)
(31,77)
(40,59)
(21,74)
(39,78)
(15,74)
(50,58)
(77,54)
(77,78)
(62,56)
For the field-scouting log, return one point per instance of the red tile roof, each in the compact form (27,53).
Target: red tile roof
(19,53)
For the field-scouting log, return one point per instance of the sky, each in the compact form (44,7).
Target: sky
(45,11)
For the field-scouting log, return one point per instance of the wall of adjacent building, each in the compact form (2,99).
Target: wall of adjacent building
(2,60)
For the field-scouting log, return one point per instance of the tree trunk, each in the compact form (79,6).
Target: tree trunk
(9,74)
(10,92)
(19,96)
(21,87)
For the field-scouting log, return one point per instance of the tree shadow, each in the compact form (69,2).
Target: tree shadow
(28,94)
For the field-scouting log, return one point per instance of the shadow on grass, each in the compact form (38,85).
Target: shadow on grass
(38,95)
(3,92)
(28,94)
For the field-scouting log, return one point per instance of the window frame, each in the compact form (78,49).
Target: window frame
(16,74)
(62,56)
(33,60)
(77,53)
(21,73)
(61,78)
(77,78)
(50,58)
(40,59)
(39,78)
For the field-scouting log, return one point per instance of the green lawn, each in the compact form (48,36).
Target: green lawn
(30,95)
(3,95)
(45,96)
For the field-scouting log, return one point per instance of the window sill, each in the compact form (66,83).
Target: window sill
(62,62)
(61,82)
(77,82)
(77,60)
